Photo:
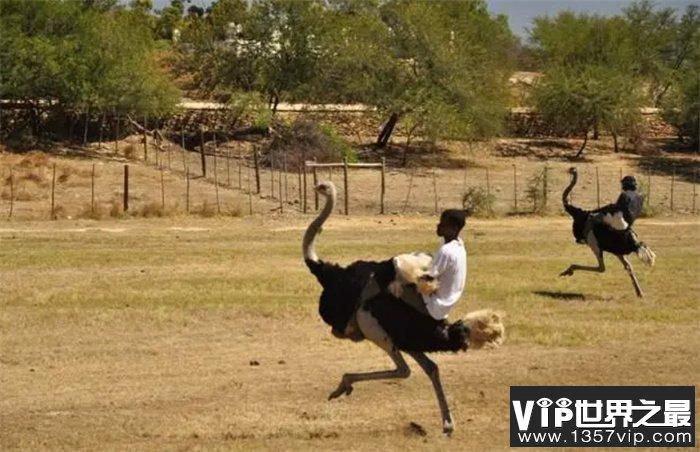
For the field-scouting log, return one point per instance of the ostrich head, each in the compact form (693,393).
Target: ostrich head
(573,171)
(326,188)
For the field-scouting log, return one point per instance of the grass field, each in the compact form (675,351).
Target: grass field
(186,334)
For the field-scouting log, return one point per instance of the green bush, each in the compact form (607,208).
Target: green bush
(479,201)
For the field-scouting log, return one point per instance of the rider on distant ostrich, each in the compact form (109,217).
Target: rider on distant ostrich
(610,229)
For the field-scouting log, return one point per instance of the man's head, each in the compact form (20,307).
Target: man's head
(629,183)
(451,223)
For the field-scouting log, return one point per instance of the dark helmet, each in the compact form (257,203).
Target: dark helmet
(629,183)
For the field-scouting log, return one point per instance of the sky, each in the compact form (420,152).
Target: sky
(521,12)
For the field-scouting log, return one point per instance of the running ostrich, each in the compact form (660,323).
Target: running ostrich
(388,322)
(612,234)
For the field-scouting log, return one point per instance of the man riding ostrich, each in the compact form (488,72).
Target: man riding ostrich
(609,228)
(360,302)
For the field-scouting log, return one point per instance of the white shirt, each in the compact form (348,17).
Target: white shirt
(450,267)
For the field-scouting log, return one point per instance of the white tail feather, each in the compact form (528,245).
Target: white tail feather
(485,328)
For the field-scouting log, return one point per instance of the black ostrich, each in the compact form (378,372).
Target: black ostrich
(612,236)
(385,320)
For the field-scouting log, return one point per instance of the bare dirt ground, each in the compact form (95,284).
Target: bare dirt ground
(183,334)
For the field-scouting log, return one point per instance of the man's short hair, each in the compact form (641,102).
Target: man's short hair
(455,217)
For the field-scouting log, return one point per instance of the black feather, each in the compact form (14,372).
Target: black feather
(410,330)
(342,287)
(610,240)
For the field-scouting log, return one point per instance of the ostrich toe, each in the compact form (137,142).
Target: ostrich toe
(567,272)
(343,388)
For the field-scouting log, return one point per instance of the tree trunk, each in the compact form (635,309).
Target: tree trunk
(614,135)
(596,132)
(386,132)
(585,140)
(275,103)
(85,130)
(408,145)
(71,124)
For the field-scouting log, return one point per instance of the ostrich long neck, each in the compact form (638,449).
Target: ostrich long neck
(567,190)
(312,231)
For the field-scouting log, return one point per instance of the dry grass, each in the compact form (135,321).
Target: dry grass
(140,334)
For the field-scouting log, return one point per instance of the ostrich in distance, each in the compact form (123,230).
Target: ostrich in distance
(383,319)
(612,235)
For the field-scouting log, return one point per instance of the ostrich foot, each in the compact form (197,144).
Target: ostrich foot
(568,272)
(447,427)
(343,388)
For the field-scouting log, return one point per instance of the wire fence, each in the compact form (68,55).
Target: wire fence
(158,177)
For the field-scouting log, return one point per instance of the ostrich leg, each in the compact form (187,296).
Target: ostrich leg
(593,245)
(573,267)
(402,371)
(630,271)
(431,369)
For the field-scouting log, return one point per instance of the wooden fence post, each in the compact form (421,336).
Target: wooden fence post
(488,191)
(383,187)
(216,183)
(92,190)
(279,182)
(12,192)
(695,185)
(286,180)
(272,174)
(257,171)
(299,187)
(162,189)
(228,168)
(515,188)
(126,188)
(167,151)
(240,169)
(184,151)
(202,153)
(187,191)
(145,140)
(597,186)
(408,193)
(545,188)
(345,186)
(315,177)
(250,191)
(673,183)
(304,188)
(53,193)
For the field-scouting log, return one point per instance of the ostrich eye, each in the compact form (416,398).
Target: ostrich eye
(544,402)
(564,402)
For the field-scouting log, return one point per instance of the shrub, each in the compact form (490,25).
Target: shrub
(88,212)
(129,151)
(206,210)
(537,191)
(479,201)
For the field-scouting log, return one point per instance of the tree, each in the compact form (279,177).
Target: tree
(73,58)
(588,83)
(682,106)
(169,19)
(661,44)
(453,66)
